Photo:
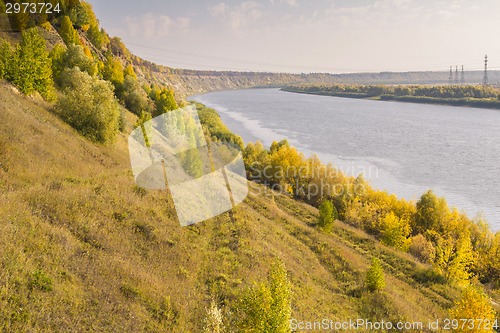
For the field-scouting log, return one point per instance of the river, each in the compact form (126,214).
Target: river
(403,148)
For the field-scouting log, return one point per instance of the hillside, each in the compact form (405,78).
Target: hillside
(83,249)
(190,82)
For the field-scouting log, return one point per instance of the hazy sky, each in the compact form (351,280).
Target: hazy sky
(308,35)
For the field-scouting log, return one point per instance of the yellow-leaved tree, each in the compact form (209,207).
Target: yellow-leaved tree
(474,306)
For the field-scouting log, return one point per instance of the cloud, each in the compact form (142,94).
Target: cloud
(239,16)
(293,3)
(152,26)
(219,9)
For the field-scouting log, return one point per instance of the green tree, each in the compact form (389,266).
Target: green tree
(97,37)
(78,14)
(267,307)
(75,57)
(326,215)
(57,59)
(6,55)
(431,212)
(118,48)
(135,98)
(375,280)
(68,34)
(474,304)
(88,105)
(31,68)
(72,56)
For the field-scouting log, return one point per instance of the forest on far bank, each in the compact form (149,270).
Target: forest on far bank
(483,96)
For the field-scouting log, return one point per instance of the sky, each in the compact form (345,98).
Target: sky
(304,36)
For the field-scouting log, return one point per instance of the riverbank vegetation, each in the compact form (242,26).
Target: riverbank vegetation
(460,249)
(457,95)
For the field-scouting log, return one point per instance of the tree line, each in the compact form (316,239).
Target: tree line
(459,248)
(471,95)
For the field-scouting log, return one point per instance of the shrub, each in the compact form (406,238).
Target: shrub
(88,104)
(214,319)
(41,281)
(422,249)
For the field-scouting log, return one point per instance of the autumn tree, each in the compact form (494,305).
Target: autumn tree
(375,280)
(474,304)
(129,71)
(395,231)
(455,257)
(254,156)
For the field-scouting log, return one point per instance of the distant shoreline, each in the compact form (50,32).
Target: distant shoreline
(464,102)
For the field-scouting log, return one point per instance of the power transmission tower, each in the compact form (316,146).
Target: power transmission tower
(451,75)
(462,76)
(456,74)
(485,78)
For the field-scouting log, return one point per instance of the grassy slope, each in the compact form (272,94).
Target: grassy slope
(82,249)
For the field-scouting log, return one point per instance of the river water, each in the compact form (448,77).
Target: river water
(403,148)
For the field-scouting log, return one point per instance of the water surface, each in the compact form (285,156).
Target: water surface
(403,148)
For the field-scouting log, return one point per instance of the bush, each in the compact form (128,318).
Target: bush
(88,105)
(41,281)
(428,275)
(422,249)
